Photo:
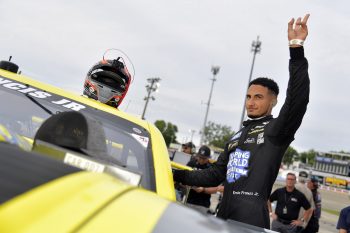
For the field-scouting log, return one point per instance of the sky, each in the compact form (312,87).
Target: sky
(179,41)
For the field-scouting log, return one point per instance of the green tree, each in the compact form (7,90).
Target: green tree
(308,157)
(290,155)
(168,131)
(217,135)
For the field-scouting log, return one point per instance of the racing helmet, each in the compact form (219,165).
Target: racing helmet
(108,82)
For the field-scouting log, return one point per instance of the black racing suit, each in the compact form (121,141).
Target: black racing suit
(250,162)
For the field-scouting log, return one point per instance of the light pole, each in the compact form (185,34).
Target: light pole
(192,131)
(215,70)
(256,48)
(153,86)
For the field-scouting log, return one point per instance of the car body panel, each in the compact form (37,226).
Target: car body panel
(133,212)
(162,171)
(73,200)
(180,166)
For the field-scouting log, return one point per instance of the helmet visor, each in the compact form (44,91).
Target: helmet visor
(110,79)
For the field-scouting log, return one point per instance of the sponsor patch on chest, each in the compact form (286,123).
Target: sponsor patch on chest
(237,165)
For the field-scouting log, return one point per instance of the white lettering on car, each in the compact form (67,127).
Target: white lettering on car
(39,94)
(27,90)
(3,81)
(14,86)
(74,106)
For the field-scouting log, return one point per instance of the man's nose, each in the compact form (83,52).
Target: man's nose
(250,102)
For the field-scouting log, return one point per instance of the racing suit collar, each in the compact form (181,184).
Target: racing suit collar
(249,121)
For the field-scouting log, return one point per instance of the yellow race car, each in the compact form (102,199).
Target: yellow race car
(139,146)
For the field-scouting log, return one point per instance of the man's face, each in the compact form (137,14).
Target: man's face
(290,181)
(310,185)
(186,149)
(259,101)
(202,160)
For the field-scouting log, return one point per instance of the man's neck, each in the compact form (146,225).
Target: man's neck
(289,189)
(257,118)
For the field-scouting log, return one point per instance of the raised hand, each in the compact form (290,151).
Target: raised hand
(299,29)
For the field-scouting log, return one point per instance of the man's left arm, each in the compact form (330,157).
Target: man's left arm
(294,108)
(307,214)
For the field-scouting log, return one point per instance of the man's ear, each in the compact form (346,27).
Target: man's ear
(274,102)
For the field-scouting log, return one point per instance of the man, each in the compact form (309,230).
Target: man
(250,162)
(289,201)
(188,148)
(199,197)
(108,81)
(301,186)
(344,220)
(313,224)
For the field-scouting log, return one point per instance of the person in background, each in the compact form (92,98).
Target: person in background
(199,197)
(289,201)
(313,224)
(302,187)
(188,148)
(343,224)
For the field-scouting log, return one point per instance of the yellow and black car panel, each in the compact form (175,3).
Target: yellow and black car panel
(26,103)
(40,194)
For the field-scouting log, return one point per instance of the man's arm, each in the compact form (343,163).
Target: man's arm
(307,214)
(272,198)
(209,177)
(294,108)
(272,214)
(341,225)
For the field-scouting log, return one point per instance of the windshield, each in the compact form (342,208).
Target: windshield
(24,108)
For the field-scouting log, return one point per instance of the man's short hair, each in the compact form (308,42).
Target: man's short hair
(291,174)
(266,82)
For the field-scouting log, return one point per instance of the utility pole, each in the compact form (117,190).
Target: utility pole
(256,48)
(192,131)
(153,86)
(215,70)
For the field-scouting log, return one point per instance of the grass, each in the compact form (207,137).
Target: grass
(335,212)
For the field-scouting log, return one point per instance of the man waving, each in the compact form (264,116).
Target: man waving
(251,160)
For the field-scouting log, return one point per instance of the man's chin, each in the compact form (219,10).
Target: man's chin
(251,116)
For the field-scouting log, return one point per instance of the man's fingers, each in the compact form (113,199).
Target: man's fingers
(298,22)
(305,19)
(290,24)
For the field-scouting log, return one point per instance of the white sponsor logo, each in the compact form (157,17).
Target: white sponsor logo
(260,138)
(249,140)
(83,163)
(142,140)
(136,130)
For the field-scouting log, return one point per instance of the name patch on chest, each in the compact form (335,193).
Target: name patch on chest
(237,165)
